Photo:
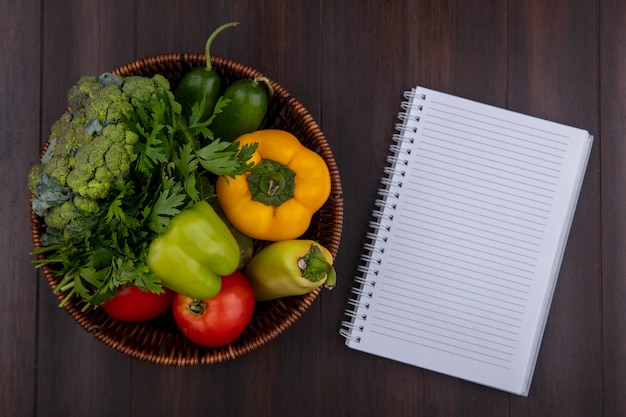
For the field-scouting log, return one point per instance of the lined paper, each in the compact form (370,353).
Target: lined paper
(470,232)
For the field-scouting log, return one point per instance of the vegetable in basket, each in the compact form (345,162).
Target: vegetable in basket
(247,101)
(246,243)
(277,198)
(196,249)
(201,83)
(219,320)
(132,304)
(121,162)
(89,148)
(290,267)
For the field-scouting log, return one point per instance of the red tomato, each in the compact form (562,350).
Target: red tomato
(219,320)
(132,304)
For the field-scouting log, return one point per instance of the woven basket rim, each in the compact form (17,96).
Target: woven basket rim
(151,343)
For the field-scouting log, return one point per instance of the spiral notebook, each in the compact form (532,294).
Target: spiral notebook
(468,235)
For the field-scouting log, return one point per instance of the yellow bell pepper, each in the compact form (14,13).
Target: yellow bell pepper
(278,197)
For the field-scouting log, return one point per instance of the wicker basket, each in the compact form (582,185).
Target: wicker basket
(160,341)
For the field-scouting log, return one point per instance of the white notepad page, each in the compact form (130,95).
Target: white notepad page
(472,225)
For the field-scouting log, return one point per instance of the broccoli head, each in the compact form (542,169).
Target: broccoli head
(90,148)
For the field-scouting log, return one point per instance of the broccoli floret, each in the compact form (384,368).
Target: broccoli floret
(90,148)
(59,169)
(117,159)
(97,163)
(119,110)
(34,176)
(88,159)
(117,133)
(67,222)
(99,109)
(86,206)
(68,134)
(60,215)
(87,88)
(107,78)
(146,89)
(140,88)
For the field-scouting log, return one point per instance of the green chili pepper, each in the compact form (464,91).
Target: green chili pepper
(201,83)
(290,267)
(196,249)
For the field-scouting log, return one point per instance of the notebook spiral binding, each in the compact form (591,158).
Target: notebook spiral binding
(374,248)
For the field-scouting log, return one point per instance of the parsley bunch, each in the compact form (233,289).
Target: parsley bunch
(177,162)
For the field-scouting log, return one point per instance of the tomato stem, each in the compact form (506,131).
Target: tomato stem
(197,307)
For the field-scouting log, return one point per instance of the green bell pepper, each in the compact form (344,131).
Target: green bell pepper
(196,249)
(290,267)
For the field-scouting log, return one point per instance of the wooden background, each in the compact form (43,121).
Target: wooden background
(348,62)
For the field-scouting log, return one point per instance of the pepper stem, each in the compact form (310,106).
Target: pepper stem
(315,267)
(207,47)
(271,183)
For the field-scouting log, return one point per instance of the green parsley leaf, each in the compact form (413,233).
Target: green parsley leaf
(166,206)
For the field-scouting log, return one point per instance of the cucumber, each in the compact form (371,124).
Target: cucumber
(249,100)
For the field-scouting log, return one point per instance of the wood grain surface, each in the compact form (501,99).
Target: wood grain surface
(348,62)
